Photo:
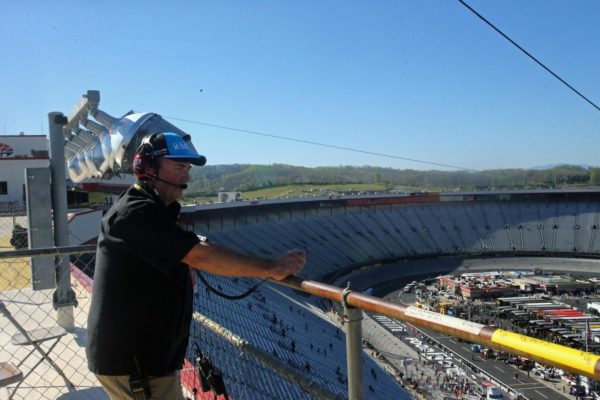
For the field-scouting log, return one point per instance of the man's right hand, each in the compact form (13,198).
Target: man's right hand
(289,264)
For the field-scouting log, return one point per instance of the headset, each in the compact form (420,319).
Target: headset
(145,162)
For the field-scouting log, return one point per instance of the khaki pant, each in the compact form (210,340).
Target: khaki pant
(161,388)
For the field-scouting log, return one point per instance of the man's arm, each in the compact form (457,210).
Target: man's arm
(220,260)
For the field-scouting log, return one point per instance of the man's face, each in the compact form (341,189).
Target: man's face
(175,172)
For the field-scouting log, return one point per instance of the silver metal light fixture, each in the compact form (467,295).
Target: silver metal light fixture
(98,145)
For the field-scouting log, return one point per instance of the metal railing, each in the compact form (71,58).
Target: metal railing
(11,208)
(34,310)
(579,362)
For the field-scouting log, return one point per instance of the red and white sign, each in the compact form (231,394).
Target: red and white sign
(5,150)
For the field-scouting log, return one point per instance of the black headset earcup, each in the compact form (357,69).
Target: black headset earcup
(139,169)
(142,162)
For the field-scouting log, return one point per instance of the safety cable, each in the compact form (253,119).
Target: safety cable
(528,54)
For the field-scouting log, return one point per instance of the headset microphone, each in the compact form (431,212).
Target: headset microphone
(182,186)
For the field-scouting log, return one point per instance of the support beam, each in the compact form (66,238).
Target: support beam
(64,296)
(353,328)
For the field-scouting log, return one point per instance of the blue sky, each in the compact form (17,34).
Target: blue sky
(424,80)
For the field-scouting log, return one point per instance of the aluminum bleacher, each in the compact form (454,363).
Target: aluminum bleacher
(284,324)
(320,244)
(416,216)
(411,230)
(496,226)
(344,237)
(587,215)
(546,212)
(474,232)
(565,231)
(363,227)
(439,229)
(382,234)
(457,227)
(335,240)
(402,246)
(527,222)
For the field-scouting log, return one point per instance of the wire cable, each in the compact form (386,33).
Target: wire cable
(331,146)
(229,296)
(528,54)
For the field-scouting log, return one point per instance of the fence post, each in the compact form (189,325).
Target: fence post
(353,328)
(64,297)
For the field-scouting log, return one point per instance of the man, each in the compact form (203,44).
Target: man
(141,307)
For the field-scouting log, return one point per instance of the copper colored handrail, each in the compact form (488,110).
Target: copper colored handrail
(559,356)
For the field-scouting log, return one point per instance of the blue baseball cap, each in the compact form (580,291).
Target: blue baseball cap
(176,147)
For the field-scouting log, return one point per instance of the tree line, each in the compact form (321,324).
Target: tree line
(210,179)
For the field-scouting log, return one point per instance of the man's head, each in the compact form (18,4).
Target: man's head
(164,160)
(166,145)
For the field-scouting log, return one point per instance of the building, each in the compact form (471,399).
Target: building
(559,284)
(21,151)
(229,197)
(478,291)
(18,152)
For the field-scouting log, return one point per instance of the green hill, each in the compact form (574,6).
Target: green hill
(281,180)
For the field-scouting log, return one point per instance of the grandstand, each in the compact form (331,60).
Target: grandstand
(416,234)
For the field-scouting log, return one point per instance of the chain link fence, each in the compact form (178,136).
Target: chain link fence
(39,358)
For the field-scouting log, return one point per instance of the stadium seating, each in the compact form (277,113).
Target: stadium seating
(336,239)
(588,218)
(281,323)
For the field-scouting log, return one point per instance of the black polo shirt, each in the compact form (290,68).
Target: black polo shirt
(142,297)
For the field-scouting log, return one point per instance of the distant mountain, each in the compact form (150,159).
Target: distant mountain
(550,166)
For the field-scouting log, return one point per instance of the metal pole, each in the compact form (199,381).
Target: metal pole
(353,328)
(64,297)
(468,310)
(587,333)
